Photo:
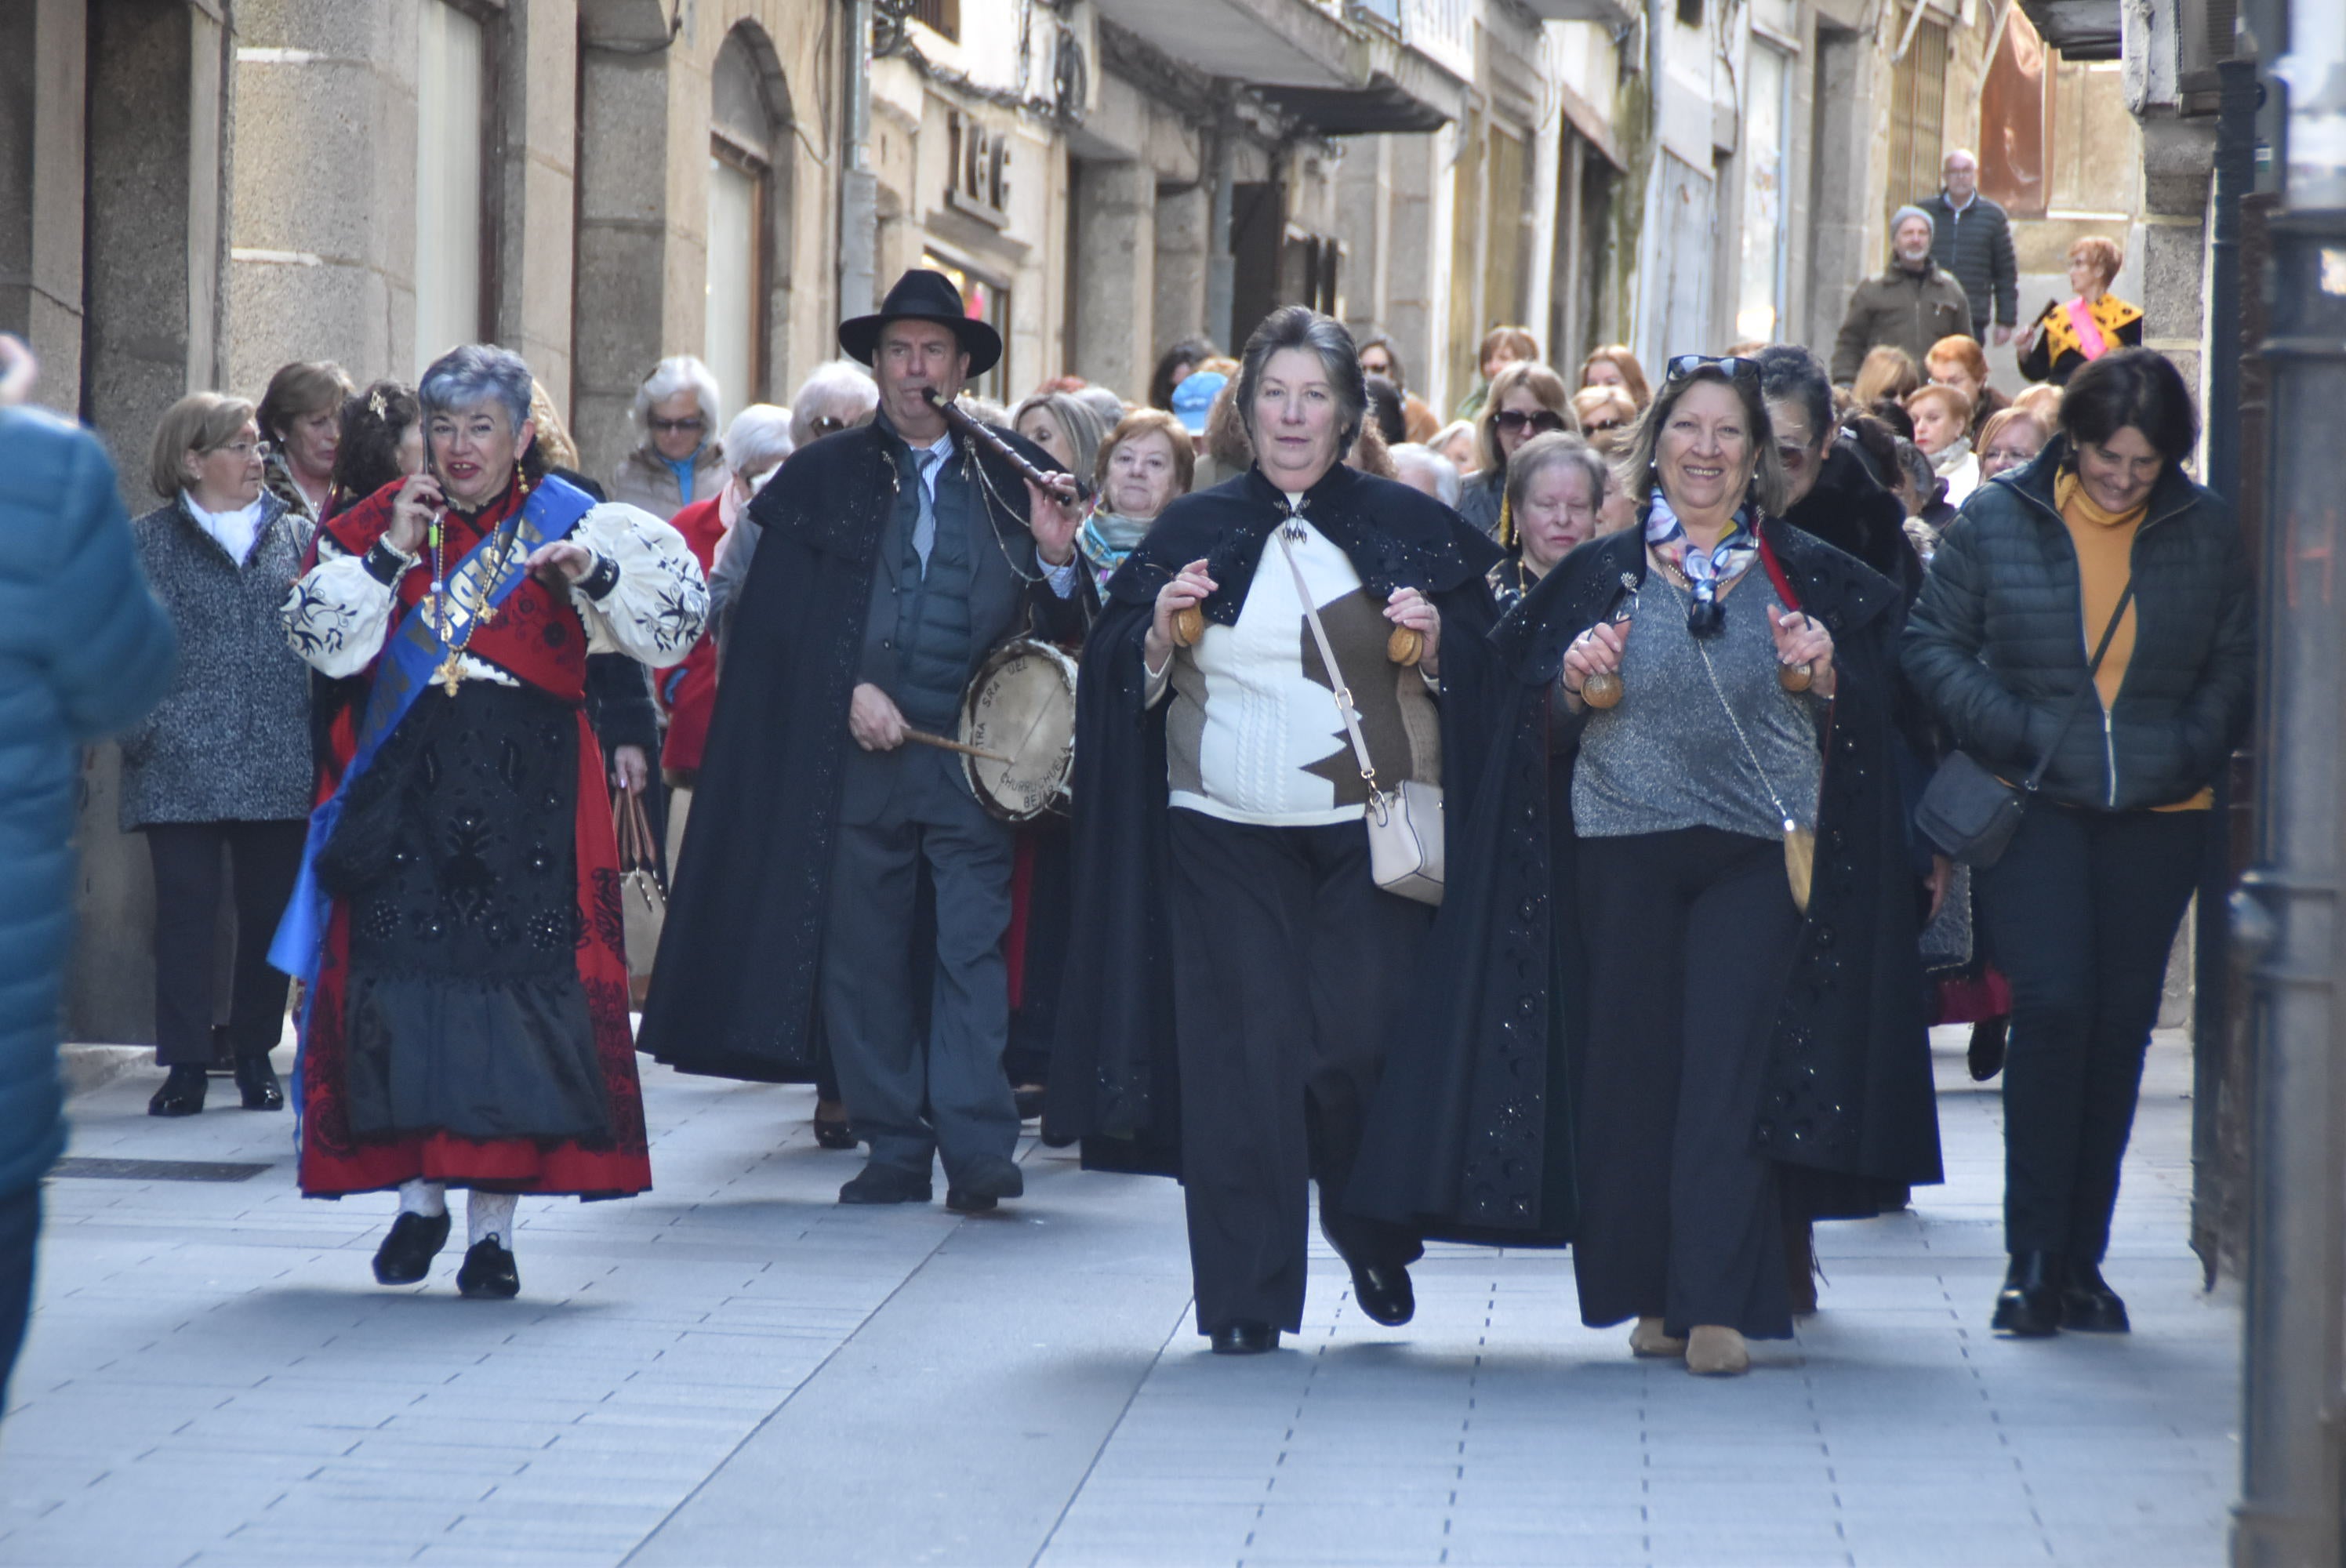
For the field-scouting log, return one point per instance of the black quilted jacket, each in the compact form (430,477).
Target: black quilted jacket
(1997,646)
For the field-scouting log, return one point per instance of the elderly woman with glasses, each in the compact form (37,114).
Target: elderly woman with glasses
(678,460)
(221,769)
(467,1021)
(1236,967)
(1686,822)
(1527,399)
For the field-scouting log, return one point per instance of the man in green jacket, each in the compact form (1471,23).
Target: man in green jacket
(1911,306)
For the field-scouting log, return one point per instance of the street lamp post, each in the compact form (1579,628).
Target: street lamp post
(2293,1464)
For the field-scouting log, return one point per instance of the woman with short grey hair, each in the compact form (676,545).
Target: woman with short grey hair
(1555,488)
(836,395)
(1286,961)
(677,458)
(468,1023)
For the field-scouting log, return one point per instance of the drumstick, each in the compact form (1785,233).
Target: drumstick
(941,744)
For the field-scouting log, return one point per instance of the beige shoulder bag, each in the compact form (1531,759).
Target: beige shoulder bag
(1404,825)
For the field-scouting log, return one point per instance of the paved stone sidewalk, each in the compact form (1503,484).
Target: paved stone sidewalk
(732,1369)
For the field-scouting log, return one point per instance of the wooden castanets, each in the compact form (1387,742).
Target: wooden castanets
(1405,647)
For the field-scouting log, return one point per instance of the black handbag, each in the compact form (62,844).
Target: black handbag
(1969,813)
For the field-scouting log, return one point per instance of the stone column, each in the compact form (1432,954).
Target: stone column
(641,267)
(1115,269)
(43,91)
(1411,315)
(537,88)
(1185,231)
(323,266)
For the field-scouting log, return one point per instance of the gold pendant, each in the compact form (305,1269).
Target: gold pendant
(450,675)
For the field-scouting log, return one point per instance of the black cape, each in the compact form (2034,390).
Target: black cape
(1470,1136)
(736,986)
(1114,1080)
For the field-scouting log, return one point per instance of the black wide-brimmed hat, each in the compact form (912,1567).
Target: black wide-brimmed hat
(922,295)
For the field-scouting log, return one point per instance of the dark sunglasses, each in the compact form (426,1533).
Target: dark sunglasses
(679,426)
(1598,427)
(1735,365)
(1514,419)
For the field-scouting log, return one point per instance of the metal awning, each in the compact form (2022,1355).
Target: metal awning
(2080,29)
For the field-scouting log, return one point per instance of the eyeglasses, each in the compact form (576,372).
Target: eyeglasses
(1511,419)
(692,426)
(1733,364)
(245,451)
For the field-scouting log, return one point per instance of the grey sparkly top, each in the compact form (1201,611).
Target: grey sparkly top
(1667,757)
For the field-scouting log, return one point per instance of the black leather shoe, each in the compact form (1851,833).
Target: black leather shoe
(834,1134)
(488,1274)
(182,1093)
(256,1080)
(1244,1339)
(1383,1290)
(886,1184)
(2029,1305)
(2089,1306)
(980,1185)
(406,1253)
(1986,1056)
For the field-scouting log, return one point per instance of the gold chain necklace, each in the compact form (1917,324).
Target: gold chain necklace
(449,674)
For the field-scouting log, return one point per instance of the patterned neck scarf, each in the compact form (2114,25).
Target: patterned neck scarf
(1107,539)
(1706,570)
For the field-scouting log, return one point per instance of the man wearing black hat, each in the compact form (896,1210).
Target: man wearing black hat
(892,558)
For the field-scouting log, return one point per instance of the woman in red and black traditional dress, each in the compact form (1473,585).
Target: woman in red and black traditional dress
(459,915)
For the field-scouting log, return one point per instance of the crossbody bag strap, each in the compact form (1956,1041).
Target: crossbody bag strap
(1327,657)
(2093,668)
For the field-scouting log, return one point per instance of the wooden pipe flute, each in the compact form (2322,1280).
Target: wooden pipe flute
(1058,485)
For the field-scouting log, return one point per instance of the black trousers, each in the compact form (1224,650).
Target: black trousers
(20,1230)
(1689,937)
(2081,911)
(1290,964)
(266,857)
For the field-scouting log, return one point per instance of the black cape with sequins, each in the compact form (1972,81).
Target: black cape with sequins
(1471,1135)
(1114,1081)
(735,989)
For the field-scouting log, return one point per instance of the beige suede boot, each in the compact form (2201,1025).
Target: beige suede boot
(1648,1341)
(1715,1352)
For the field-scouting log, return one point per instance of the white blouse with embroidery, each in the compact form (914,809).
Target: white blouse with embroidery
(340,612)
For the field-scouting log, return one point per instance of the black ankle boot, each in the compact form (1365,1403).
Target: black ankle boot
(256,1080)
(2029,1305)
(2088,1304)
(182,1093)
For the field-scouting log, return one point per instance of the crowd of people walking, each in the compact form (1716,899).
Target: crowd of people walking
(1560,827)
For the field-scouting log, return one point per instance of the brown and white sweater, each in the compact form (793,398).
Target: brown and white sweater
(1254,735)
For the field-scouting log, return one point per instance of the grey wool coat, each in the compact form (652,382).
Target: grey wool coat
(230,742)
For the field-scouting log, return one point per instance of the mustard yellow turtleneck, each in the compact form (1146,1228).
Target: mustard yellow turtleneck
(2104,545)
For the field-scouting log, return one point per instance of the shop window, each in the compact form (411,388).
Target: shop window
(982,300)
(742,140)
(451,75)
(942,18)
(1760,299)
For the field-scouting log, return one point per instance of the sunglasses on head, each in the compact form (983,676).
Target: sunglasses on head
(1735,365)
(1514,419)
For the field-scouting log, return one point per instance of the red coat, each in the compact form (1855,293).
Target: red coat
(537,636)
(689,692)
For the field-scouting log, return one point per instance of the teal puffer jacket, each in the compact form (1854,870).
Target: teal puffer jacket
(1997,646)
(84,649)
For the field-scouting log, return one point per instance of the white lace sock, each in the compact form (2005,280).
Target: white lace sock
(428,1198)
(490,1213)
